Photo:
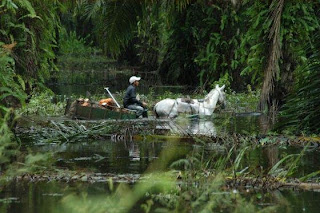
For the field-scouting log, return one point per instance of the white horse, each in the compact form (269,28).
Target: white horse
(171,108)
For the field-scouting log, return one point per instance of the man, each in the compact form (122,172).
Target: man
(130,100)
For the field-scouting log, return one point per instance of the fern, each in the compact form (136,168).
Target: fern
(9,86)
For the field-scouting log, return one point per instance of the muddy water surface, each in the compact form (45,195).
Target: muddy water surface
(129,158)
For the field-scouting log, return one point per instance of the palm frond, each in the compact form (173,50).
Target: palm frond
(301,113)
(114,22)
(272,68)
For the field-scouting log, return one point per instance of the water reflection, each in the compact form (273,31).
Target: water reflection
(221,123)
(134,157)
(194,126)
(30,197)
(134,151)
(125,157)
(202,127)
(242,123)
(119,157)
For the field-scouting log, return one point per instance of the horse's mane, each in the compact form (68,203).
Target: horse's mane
(210,94)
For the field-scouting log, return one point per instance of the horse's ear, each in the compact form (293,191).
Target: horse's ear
(222,88)
(217,86)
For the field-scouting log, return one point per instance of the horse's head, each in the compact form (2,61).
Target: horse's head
(222,95)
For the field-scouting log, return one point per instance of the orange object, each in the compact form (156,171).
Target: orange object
(86,102)
(9,47)
(106,102)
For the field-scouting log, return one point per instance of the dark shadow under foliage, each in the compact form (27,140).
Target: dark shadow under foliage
(301,113)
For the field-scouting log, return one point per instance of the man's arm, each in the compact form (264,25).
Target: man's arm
(133,99)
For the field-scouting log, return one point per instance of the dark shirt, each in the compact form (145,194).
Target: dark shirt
(130,97)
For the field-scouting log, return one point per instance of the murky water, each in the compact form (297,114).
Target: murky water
(125,158)
(118,157)
(219,123)
(134,157)
(31,197)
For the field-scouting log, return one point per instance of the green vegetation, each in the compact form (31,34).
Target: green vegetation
(8,147)
(237,43)
(43,104)
(301,112)
(265,52)
(203,43)
(194,183)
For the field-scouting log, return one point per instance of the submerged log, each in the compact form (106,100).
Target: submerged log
(269,183)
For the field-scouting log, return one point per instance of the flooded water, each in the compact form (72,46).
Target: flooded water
(126,160)
(129,158)
(28,197)
(106,156)
(219,123)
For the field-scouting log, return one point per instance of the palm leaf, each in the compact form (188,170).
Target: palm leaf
(272,68)
(116,21)
(301,111)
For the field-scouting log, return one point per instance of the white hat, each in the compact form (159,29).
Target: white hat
(133,79)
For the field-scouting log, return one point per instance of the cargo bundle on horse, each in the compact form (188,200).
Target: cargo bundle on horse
(171,108)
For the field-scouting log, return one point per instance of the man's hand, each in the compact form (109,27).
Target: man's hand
(144,104)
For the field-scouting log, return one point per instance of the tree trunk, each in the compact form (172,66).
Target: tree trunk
(267,99)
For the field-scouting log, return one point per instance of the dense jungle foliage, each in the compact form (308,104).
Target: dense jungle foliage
(200,43)
(265,49)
